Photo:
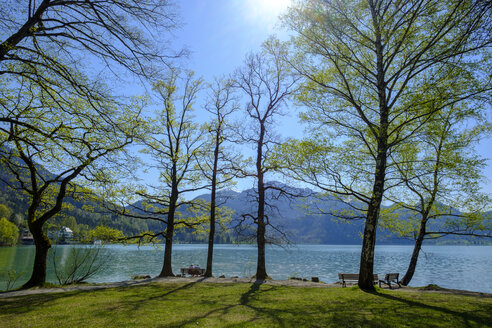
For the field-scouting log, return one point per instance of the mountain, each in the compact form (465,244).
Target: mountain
(76,217)
(300,218)
(297,217)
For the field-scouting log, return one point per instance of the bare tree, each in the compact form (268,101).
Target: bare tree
(47,33)
(217,167)
(266,83)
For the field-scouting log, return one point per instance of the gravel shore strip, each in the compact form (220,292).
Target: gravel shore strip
(191,280)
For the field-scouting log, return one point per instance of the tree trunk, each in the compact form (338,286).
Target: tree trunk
(425,210)
(211,235)
(43,244)
(366,274)
(24,31)
(260,238)
(261,226)
(415,255)
(167,269)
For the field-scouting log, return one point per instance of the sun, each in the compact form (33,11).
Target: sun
(273,6)
(268,9)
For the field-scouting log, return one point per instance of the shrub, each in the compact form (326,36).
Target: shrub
(9,233)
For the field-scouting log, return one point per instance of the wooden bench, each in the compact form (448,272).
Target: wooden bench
(353,277)
(192,272)
(390,278)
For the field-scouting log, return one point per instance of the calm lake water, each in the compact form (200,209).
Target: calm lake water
(458,267)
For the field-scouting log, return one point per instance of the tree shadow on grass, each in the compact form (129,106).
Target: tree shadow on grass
(255,287)
(22,304)
(138,297)
(27,303)
(136,302)
(175,290)
(253,304)
(254,292)
(244,301)
(469,318)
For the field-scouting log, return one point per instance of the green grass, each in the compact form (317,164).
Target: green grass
(241,305)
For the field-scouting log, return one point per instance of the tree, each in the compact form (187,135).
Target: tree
(50,48)
(369,68)
(9,233)
(5,212)
(170,146)
(218,169)
(56,140)
(68,47)
(442,174)
(54,39)
(266,83)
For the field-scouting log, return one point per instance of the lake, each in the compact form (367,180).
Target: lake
(458,267)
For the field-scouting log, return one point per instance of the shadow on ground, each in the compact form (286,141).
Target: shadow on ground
(196,304)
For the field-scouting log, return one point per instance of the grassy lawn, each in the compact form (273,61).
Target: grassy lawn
(244,305)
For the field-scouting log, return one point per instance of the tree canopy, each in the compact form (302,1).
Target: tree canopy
(370,69)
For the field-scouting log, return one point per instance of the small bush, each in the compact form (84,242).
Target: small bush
(81,264)
(10,277)
(9,233)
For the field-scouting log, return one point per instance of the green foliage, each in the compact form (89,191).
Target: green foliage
(441,174)
(375,78)
(171,143)
(5,212)
(9,233)
(64,133)
(106,235)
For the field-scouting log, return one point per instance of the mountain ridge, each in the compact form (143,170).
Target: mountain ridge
(295,216)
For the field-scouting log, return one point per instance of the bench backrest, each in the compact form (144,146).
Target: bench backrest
(348,276)
(391,276)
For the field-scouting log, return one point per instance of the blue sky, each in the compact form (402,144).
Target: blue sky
(219,33)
